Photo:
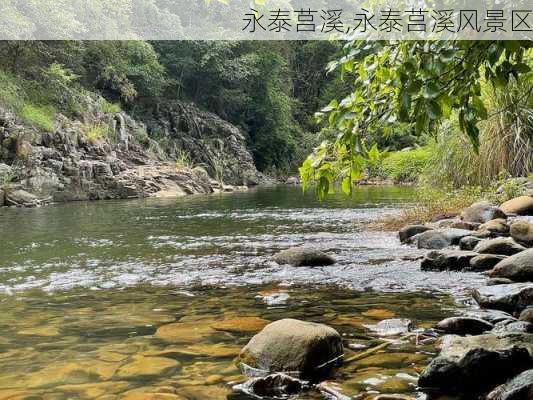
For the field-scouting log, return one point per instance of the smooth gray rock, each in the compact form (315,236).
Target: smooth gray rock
(485,262)
(511,298)
(293,346)
(482,212)
(464,325)
(303,256)
(518,388)
(527,314)
(411,230)
(492,316)
(475,364)
(469,242)
(442,260)
(522,232)
(503,246)
(518,267)
(495,227)
(431,239)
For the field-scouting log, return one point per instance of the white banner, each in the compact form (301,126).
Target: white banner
(265,20)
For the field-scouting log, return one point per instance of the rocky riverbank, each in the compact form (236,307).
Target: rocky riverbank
(486,352)
(101,155)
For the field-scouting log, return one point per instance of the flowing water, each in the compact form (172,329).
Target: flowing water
(152,299)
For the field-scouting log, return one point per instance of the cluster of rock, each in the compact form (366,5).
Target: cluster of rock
(68,164)
(486,353)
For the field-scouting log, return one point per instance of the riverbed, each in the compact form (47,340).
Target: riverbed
(154,298)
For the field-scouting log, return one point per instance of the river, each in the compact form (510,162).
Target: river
(86,287)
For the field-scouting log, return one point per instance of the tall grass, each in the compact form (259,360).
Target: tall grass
(506,141)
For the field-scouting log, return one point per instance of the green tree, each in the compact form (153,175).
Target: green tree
(419,83)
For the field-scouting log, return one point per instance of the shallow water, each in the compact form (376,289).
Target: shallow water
(152,299)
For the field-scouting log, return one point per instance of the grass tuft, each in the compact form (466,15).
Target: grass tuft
(96,132)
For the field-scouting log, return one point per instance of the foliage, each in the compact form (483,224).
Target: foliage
(40,116)
(419,83)
(108,107)
(96,132)
(405,166)
(506,141)
(183,160)
(434,202)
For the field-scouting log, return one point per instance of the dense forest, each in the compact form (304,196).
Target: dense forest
(270,90)
(458,105)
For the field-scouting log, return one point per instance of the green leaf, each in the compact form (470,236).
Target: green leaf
(434,110)
(430,91)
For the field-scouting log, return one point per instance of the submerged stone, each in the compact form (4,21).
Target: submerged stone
(242,324)
(147,366)
(274,385)
(303,256)
(298,348)
(186,332)
(453,260)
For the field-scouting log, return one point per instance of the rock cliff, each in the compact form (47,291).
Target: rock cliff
(110,155)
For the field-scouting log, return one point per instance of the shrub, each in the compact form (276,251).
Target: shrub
(96,132)
(109,108)
(406,165)
(40,116)
(11,92)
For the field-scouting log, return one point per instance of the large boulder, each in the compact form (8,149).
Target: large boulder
(522,232)
(485,262)
(453,260)
(411,230)
(518,388)
(513,297)
(518,267)
(464,325)
(475,364)
(303,256)
(503,246)
(482,212)
(522,205)
(291,346)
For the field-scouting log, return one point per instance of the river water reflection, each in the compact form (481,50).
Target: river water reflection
(152,299)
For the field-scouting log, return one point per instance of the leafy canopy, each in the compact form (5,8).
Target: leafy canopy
(419,83)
